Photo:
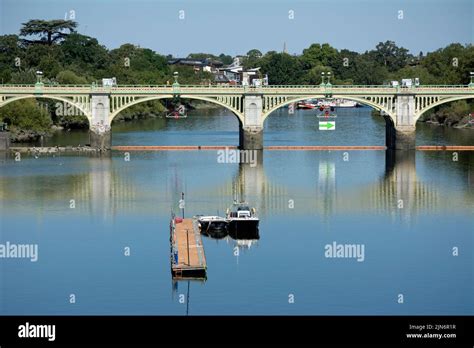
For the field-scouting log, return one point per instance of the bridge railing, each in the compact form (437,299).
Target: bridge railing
(207,89)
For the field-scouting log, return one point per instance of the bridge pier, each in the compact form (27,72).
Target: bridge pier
(399,138)
(100,140)
(4,141)
(251,130)
(401,131)
(99,134)
(251,138)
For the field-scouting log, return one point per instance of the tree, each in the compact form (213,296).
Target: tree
(11,56)
(201,56)
(390,55)
(26,115)
(414,71)
(84,52)
(368,71)
(225,59)
(282,68)
(451,64)
(314,77)
(24,77)
(344,66)
(317,54)
(69,77)
(49,31)
(252,59)
(135,65)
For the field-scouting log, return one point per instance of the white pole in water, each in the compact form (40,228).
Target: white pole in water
(181,203)
(187,244)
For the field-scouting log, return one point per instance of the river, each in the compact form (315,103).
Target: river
(102,224)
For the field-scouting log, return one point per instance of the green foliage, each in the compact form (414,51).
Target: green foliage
(134,65)
(26,115)
(389,55)
(151,108)
(313,76)
(282,68)
(451,114)
(84,53)
(252,59)
(414,71)
(226,59)
(202,56)
(68,77)
(49,32)
(188,76)
(450,65)
(26,77)
(11,56)
(319,55)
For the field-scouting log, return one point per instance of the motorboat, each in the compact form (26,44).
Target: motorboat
(338,103)
(213,226)
(242,221)
(306,104)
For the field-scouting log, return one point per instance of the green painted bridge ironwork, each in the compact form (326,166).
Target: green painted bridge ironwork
(400,106)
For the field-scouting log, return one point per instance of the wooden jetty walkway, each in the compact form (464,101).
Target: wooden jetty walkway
(187,252)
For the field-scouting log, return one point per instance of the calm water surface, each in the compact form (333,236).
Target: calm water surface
(306,200)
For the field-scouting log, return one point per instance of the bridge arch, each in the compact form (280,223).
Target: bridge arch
(238,114)
(65,100)
(353,98)
(440,102)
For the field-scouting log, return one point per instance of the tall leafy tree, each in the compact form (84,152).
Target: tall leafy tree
(317,54)
(49,32)
(282,68)
(84,52)
(390,55)
(11,56)
(252,59)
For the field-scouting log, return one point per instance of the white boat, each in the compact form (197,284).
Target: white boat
(338,103)
(243,221)
(213,226)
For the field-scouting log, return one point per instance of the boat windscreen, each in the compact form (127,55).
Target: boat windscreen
(243,208)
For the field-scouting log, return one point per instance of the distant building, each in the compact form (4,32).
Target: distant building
(206,64)
(235,74)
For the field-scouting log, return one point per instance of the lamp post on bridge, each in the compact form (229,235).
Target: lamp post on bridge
(327,86)
(322,79)
(39,77)
(39,82)
(323,75)
(329,78)
(176,84)
(471,84)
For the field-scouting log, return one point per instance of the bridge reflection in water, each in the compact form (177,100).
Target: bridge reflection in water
(106,188)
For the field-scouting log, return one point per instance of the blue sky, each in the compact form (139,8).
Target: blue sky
(236,26)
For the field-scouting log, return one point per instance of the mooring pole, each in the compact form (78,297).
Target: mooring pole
(187,244)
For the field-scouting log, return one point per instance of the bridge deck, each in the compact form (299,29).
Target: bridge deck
(187,252)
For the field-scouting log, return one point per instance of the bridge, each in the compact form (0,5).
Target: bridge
(400,106)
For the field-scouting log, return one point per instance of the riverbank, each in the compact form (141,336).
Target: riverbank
(454,115)
(53,149)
